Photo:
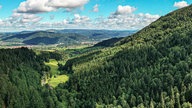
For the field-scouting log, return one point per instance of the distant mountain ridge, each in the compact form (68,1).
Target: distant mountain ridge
(43,37)
(97,34)
(67,37)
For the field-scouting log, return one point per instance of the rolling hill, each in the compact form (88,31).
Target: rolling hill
(66,37)
(99,35)
(43,37)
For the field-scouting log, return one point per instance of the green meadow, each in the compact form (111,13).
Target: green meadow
(56,78)
(54,81)
(53,65)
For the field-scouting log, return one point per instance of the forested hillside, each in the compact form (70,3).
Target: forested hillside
(108,42)
(152,69)
(20,80)
(174,23)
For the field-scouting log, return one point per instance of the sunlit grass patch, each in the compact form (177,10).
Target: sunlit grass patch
(58,79)
(53,65)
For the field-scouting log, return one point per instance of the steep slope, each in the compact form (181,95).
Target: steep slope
(175,22)
(20,80)
(152,68)
(108,43)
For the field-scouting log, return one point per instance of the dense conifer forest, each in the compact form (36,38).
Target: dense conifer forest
(20,79)
(149,69)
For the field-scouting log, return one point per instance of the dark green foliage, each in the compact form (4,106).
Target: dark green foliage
(20,79)
(19,36)
(46,55)
(78,60)
(76,52)
(108,43)
(41,40)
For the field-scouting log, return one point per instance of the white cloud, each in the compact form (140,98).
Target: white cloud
(25,18)
(122,19)
(77,22)
(118,22)
(23,21)
(1,22)
(96,8)
(67,3)
(79,19)
(19,22)
(65,21)
(40,6)
(0,6)
(34,6)
(129,21)
(124,10)
(30,18)
(180,4)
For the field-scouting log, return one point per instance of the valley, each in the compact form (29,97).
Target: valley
(83,68)
(55,77)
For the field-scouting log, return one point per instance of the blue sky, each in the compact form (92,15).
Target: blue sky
(19,15)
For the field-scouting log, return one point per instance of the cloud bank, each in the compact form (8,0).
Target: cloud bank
(124,10)
(180,4)
(41,6)
(25,17)
(96,8)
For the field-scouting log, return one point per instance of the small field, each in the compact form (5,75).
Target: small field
(54,81)
(53,65)
(69,52)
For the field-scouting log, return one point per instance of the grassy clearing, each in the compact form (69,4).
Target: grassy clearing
(58,79)
(53,65)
